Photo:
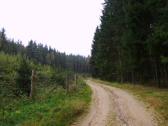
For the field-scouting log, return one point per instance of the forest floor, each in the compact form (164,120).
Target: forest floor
(115,107)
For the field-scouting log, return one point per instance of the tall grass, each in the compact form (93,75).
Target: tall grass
(53,105)
(56,108)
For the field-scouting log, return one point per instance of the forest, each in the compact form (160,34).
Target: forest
(44,55)
(35,80)
(131,43)
(123,82)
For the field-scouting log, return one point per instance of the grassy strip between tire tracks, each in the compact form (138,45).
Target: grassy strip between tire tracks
(154,98)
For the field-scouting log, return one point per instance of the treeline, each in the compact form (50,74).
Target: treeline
(131,44)
(53,88)
(44,55)
(16,76)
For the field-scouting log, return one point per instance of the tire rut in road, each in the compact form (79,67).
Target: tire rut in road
(114,107)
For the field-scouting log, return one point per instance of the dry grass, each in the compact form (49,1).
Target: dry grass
(155,98)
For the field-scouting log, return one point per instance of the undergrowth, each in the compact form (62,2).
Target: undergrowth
(56,108)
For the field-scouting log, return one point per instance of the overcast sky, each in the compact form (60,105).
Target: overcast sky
(66,25)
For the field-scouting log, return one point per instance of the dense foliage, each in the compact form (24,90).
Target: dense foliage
(15,76)
(44,55)
(23,77)
(52,104)
(131,44)
(59,95)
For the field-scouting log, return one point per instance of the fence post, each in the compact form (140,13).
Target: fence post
(67,83)
(75,80)
(33,85)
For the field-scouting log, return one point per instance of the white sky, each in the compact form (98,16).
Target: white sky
(66,25)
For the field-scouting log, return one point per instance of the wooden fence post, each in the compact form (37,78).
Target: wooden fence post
(33,85)
(67,83)
(75,80)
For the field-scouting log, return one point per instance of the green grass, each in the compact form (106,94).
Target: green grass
(50,109)
(155,98)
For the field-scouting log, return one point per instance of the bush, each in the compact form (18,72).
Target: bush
(23,80)
(59,78)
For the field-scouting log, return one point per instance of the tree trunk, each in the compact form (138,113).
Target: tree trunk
(165,76)
(120,63)
(132,77)
(157,73)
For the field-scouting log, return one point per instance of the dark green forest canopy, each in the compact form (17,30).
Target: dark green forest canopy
(131,44)
(44,55)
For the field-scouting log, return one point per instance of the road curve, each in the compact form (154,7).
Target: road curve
(114,107)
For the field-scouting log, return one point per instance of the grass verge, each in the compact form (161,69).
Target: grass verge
(155,98)
(50,109)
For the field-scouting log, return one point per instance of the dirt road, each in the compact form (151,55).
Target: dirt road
(115,107)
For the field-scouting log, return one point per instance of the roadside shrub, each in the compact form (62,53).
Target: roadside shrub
(59,77)
(23,78)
